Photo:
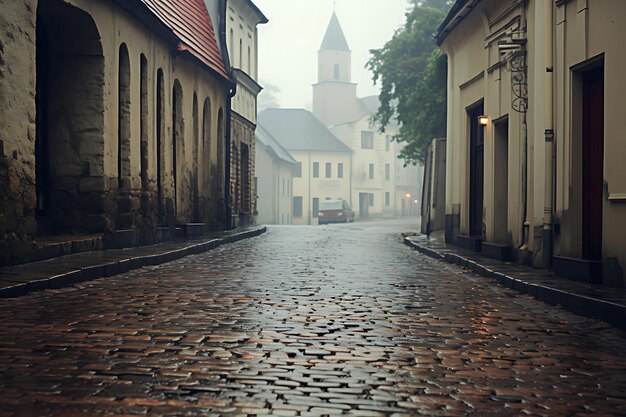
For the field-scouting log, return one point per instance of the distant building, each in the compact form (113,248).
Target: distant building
(324,166)
(381,185)
(113,122)
(274,171)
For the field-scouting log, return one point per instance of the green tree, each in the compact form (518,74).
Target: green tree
(412,75)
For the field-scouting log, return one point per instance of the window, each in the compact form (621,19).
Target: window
(387,172)
(316,169)
(340,170)
(297,207)
(316,206)
(240,53)
(336,72)
(232,47)
(297,170)
(367,139)
(124,117)
(143,124)
(284,187)
(371,171)
(387,199)
(371,199)
(288,188)
(328,170)
(387,143)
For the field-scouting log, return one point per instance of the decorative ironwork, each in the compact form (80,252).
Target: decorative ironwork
(519,80)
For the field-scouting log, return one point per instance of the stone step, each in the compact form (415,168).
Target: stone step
(49,247)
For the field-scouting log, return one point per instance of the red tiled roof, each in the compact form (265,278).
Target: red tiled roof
(189,20)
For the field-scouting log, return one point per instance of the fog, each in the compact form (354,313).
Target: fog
(288,44)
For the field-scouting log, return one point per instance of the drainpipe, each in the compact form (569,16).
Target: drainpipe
(548,237)
(227,128)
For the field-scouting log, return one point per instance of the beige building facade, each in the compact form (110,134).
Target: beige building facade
(274,171)
(540,181)
(242,19)
(114,122)
(323,163)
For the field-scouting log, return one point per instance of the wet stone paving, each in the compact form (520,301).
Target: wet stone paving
(304,321)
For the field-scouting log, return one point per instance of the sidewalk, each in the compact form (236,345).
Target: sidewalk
(67,270)
(589,300)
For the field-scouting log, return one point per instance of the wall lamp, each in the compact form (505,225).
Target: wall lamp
(483,120)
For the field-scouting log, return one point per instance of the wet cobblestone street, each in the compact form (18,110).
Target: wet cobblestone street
(308,321)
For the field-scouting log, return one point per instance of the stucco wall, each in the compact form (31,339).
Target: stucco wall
(308,187)
(587,31)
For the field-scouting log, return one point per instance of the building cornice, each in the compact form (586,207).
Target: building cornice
(246,81)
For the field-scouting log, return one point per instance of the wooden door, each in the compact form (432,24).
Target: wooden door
(477,172)
(593,162)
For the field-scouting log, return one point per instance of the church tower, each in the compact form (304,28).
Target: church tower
(334,94)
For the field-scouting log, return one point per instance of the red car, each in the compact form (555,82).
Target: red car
(335,211)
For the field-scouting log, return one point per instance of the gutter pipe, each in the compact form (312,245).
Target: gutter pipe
(227,128)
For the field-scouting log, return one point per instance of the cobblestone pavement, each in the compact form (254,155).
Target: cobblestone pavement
(310,321)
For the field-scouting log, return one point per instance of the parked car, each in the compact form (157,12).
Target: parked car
(335,211)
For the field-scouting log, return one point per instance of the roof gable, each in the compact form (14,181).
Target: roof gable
(189,20)
(269,141)
(300,130)
(334,40)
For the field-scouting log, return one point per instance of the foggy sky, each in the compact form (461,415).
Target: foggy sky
(288,44)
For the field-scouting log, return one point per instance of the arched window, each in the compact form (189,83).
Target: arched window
(249,62)
(145,144)
(206,146)
(123,126)
(240,53)
(160,128)
(196,167)
(232,48)
(178,138)
(336,72)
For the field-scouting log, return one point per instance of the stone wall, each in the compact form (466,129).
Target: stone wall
(17,129)
(63,168)
(242,197)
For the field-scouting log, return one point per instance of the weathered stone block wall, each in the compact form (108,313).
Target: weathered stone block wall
(242,133)
(17,129)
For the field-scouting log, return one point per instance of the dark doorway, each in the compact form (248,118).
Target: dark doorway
(477,171)
(364,205)
(42,145)
(160,153)
(69,145)
(245,179)
(177,148)
(593,162)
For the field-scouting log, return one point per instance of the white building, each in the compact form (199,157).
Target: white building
(380,185)
(274,171)
(323,170)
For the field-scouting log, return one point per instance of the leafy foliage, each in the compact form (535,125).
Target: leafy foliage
(412,74)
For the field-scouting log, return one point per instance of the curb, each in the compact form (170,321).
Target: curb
(612,313)
(105,270)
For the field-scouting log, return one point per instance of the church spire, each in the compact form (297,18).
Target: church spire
(334,40)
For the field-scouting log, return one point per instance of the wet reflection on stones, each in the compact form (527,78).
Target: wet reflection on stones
(304,321)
